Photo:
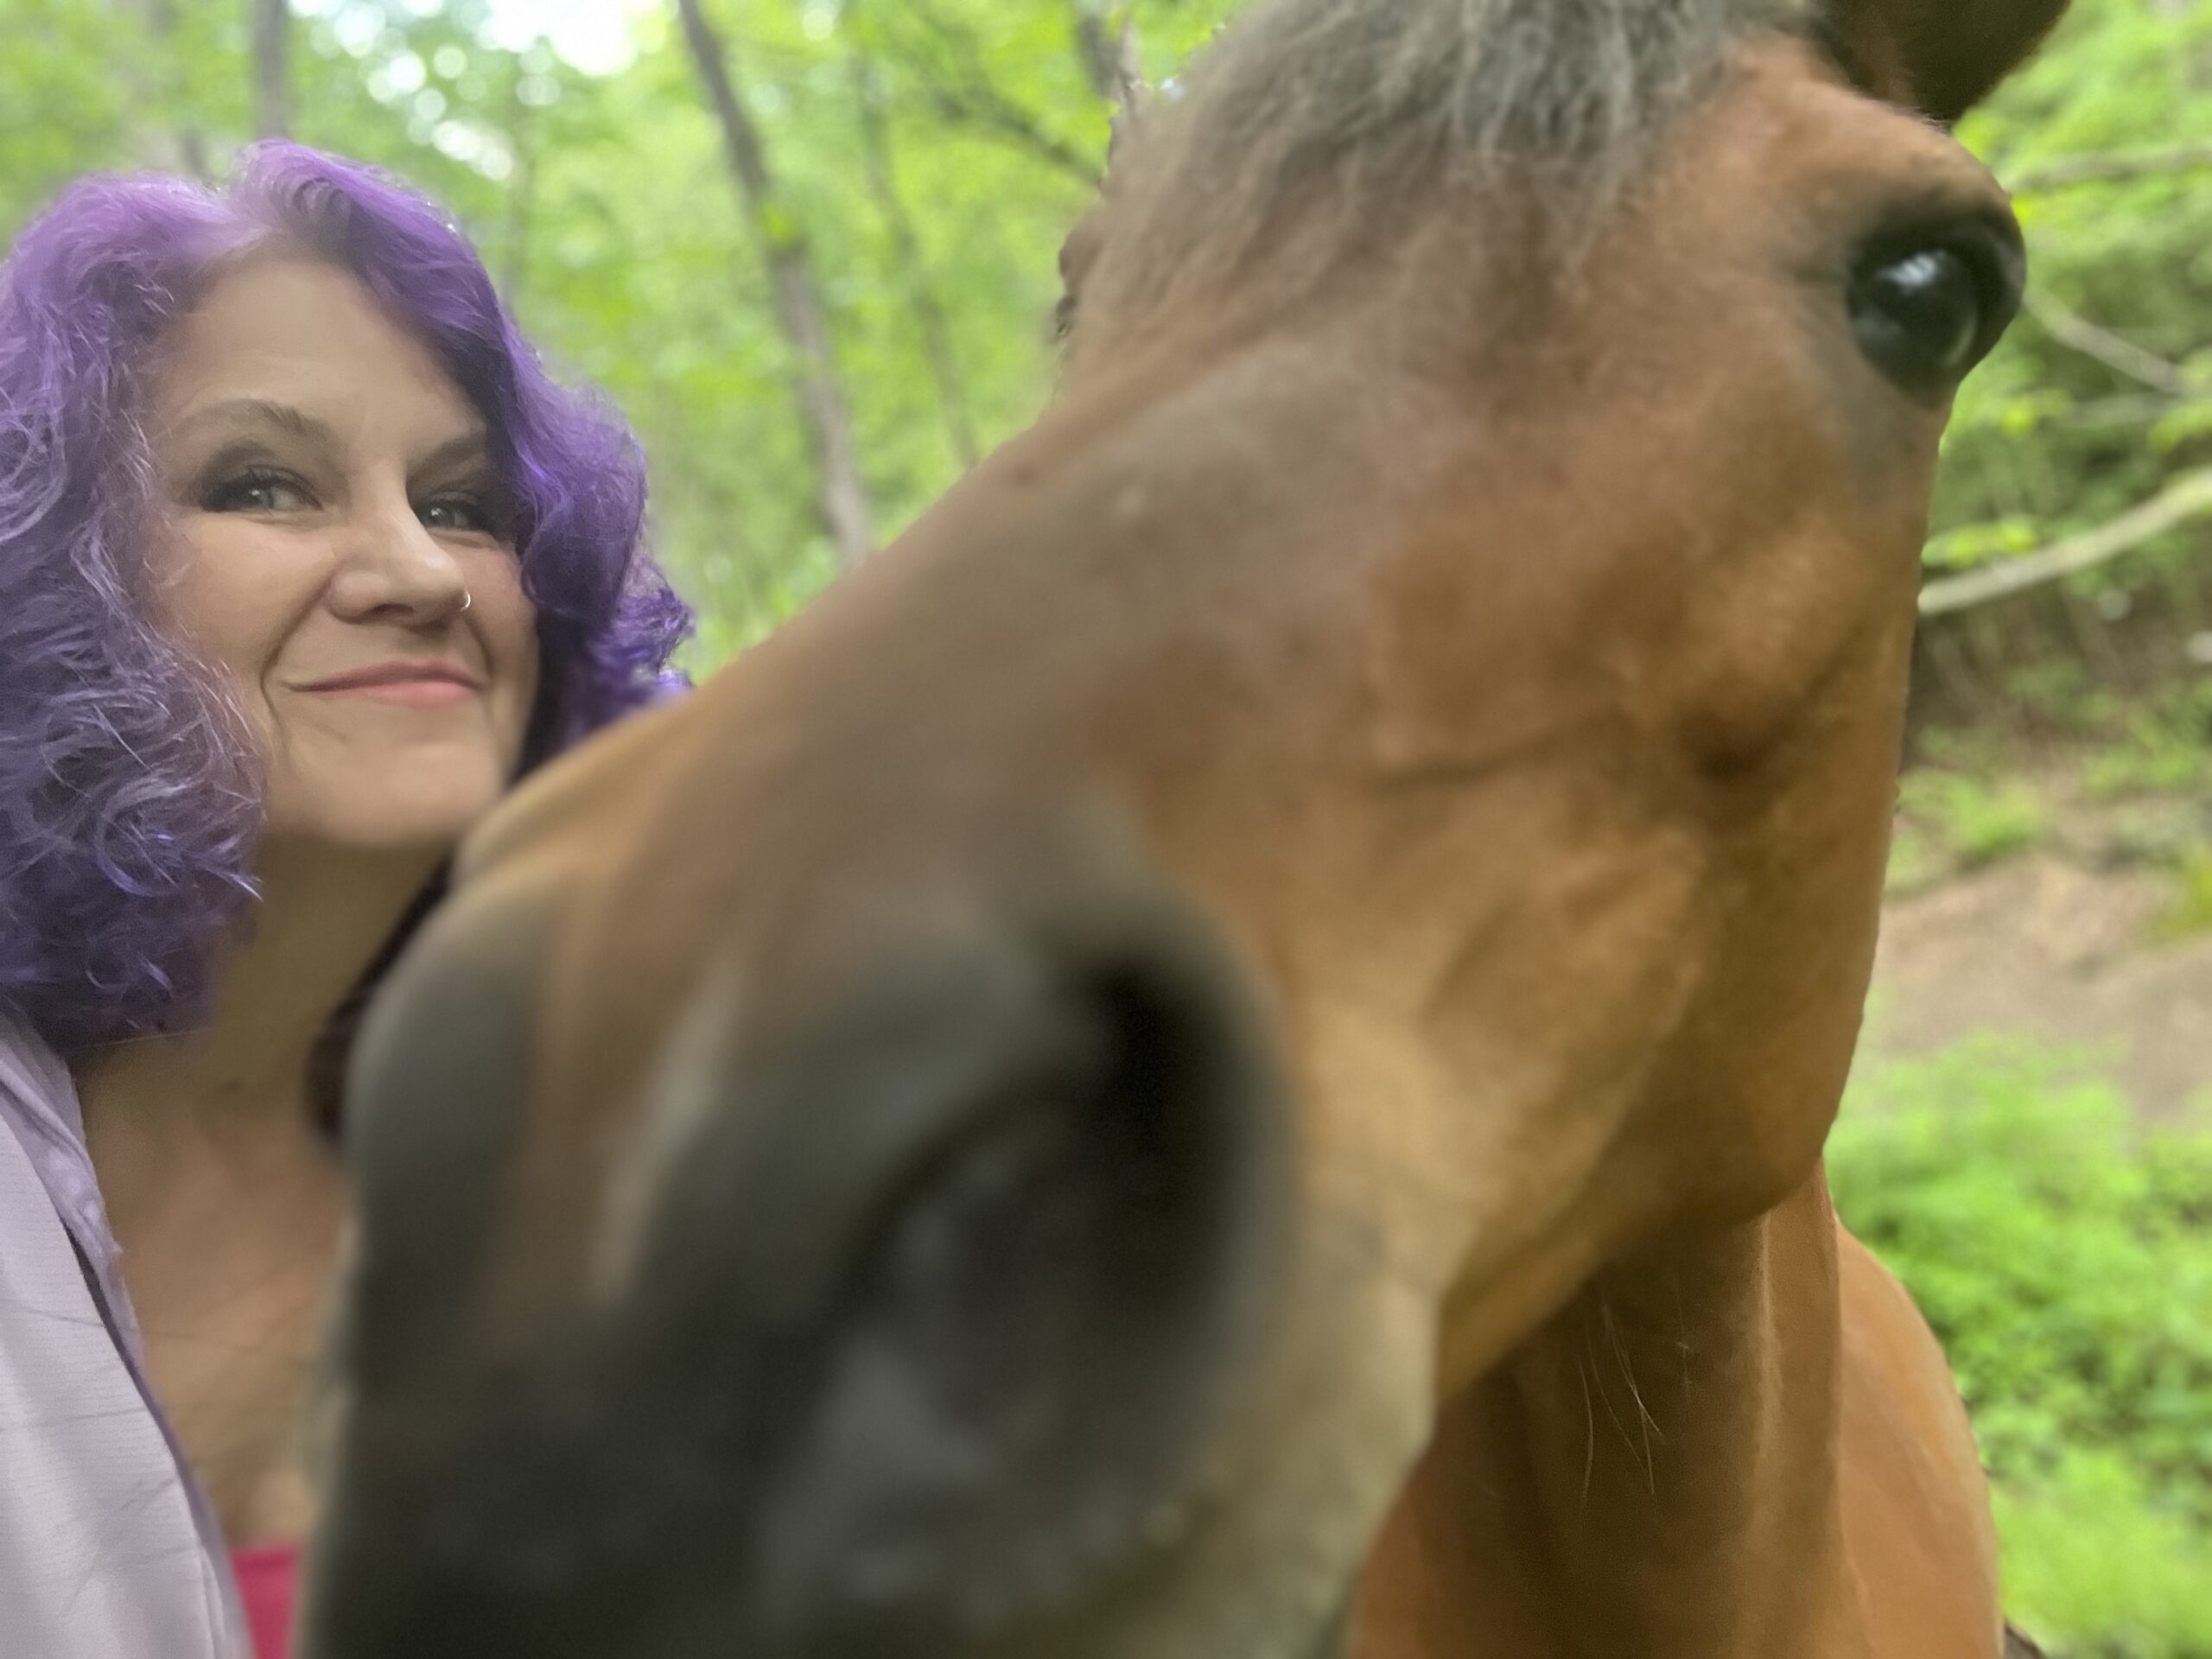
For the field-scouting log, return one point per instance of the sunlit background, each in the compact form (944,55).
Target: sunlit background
(593,34)
(2026,1138)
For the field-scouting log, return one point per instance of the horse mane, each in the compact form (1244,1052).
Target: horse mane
(1355,109)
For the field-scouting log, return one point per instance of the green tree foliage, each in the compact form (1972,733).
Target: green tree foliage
(64,101)
(2052,437)
(605,206)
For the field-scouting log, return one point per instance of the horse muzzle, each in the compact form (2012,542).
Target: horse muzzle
(920,1324)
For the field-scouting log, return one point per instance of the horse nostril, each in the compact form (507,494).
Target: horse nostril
(1046,1324)
(930,1319)
(997,1250)
(1018,1200)
(1063,1203)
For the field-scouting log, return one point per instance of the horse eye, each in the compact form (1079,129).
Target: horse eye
(1926,314)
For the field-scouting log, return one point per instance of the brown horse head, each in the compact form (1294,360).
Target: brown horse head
(989,1129)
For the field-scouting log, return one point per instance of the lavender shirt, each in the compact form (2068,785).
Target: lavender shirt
(108,1548)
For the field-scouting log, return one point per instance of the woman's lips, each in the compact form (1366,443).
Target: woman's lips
(411,694)
(412,685)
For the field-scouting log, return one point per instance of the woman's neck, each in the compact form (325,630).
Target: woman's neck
(320,922)
(225,1195)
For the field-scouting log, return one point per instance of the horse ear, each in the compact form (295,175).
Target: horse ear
(1116,66)
(1077,254)
(1080,251)
(1941,57)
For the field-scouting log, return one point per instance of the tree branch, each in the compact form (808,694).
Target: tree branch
(988,111)
(2113,168)
(843,500)
(929,314)
(2188,497)
(950,68)
(2124,358)
(1107,47)
(2122,409)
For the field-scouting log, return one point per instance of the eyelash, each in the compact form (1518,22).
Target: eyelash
(486,520)
(225,495)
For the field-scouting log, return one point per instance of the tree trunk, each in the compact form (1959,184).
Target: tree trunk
(272,79)
(521,217)
(844,495)
(149,73)
(928,313)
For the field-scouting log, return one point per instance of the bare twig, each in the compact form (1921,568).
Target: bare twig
(2188,497)
(2069,327)
(843,498)
(2115,168)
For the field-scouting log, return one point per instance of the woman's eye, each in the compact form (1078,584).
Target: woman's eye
(1926,314)
(460,514)
(258,491)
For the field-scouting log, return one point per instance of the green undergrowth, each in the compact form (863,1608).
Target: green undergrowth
(2188,913)
(2099,1568)
(1976,820)
(2064,1257)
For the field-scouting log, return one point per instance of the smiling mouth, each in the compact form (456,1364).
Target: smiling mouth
(411,694)
(415,685)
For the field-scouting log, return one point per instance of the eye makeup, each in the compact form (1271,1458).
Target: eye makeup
(230,481)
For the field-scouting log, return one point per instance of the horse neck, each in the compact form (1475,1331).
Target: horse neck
(1653,1475)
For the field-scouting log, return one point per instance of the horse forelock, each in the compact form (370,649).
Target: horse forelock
(1363,111)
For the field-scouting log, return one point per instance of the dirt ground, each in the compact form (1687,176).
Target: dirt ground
(2051,946)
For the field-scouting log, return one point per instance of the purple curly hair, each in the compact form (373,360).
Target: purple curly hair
(129,809)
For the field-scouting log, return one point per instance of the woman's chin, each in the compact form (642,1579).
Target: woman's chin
(428,821)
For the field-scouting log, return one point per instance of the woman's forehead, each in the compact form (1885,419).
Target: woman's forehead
(290,332)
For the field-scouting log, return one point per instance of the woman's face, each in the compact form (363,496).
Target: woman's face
(337,546)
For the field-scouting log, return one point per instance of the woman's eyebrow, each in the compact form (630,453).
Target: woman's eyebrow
(260,411)
(472,447)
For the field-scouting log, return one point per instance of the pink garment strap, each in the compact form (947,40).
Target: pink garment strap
(269,1584)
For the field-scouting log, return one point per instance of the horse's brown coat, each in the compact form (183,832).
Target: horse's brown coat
(1510,668)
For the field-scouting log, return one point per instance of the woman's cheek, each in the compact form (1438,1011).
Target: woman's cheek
(226,602)
(510,625)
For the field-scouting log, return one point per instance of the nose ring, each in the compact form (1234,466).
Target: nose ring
(468,598)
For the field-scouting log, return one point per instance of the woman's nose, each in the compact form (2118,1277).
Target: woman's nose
(392,563)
